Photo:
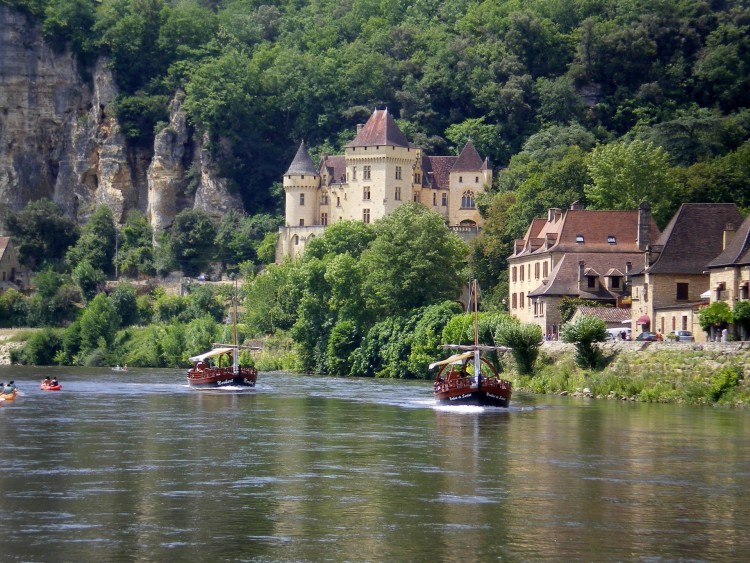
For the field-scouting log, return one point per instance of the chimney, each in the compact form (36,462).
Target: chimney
(729,231)
(628,267)
(644,226)
(581,269)
(576,205)
(359,127)
(552,214)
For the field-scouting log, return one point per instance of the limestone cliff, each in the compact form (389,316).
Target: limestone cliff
(59,139)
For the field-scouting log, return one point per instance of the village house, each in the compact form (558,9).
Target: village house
(379,171)
(12,274)
(666,287)
(729,272)
(575,253)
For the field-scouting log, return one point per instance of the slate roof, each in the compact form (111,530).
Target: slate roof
(336,168)
(302,163)
(4,242)
(438,170)
(737,251)
(380,130)
(693,238)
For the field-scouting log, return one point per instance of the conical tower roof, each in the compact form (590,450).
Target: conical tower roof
(302,163)
(380,130)
(469,159)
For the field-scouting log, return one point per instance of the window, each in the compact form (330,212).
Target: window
(301,222)
(366,215)
(354,172)
(513,301)
(366,172)
(579,239)
(444,200)
(684,322)
(397,194)
(514,273)
(615,282)
(591,282)
(674,324)
(324,219)
(324,199)
(545,269)
(520,272)
(467,200)
(476,179)
(520,300)
(612,239)
(417,178)
(434,200)
(536,270)
(398,172)
(338,201)
(682,291)
(366,193)
(460,178)
(296,239)
(302,200)
(415,199)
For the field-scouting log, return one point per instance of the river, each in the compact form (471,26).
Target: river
(137,466)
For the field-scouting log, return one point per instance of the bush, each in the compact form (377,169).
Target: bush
(523,339)
(40,349)
(724,380)
(584,334)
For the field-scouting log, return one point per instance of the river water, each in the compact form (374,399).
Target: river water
(137,466)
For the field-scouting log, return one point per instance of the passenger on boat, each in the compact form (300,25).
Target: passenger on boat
(200,366)
(46,381)
(10,388)
(54,382)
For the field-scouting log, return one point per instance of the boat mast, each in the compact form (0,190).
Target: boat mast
(477,361)
(235,349)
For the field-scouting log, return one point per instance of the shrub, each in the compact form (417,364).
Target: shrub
(584,333)
(523,339)
(724,380)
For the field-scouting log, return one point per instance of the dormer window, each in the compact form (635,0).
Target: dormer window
(579,239)
(591,282)
(612,239)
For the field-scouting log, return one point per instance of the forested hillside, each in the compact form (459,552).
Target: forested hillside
(603,101)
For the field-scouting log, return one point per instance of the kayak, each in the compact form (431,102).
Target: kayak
(8,396)
(44,387)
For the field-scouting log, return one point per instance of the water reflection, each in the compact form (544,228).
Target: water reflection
(139,466)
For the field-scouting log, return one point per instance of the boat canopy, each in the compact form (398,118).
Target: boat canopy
(455,359)
(211,354)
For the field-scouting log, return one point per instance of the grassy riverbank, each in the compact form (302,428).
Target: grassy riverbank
(698,374)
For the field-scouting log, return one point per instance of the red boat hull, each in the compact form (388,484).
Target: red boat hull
(51,387)
(214,378)
(493,392)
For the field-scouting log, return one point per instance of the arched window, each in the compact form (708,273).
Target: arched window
(467,200)
(296,240)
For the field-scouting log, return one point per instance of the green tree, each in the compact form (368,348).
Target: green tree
(342,342)
(741,316)
(192,241)
(414,261)
(99,324)
(124,299)
(71,22)
(97,242)
(88,279)
(523,339)
(41,233)
(626,174)
(135,252)
(584,334)
(715,317)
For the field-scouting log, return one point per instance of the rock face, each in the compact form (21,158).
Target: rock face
(59,139)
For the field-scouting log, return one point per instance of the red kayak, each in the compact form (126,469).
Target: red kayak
(50,387)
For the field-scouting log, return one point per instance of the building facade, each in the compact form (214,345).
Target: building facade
(666,290)
(379,171)
(12,274)
(575,253)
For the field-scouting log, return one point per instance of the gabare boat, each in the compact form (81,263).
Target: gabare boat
(470,377)
(207,371)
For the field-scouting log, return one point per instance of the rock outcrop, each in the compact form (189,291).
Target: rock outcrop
(59,139)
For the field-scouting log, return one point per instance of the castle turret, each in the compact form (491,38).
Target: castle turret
(301,183)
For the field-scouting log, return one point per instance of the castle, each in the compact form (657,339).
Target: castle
(379,171)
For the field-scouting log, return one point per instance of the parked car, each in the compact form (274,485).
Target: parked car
(618,333)
(681,336)
(646,336)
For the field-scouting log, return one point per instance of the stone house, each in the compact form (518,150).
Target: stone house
(729,272)
(12,274)
(666,287)
(575,253)
(379,171)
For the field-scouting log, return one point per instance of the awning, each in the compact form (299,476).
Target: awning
(455,359)
(643,320)
(211,354)
(706,294)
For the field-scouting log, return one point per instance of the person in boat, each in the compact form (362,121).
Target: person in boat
(46,381)
(10,388)
(54,382)
(125,367)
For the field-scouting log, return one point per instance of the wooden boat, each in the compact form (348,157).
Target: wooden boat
(207,371)
(50,387)
(471,376)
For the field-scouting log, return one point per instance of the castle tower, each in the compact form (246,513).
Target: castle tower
(469,176)
(301,183)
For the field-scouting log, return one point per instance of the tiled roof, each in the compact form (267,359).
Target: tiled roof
(563,279)
(694,237)
(302,164)
(380,130)
(468,160)
(336,168)
(738,250)
(439,170)
(607,314)
(584,230)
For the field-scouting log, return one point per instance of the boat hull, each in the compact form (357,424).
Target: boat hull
(491,393)
(214,378)
(51,387)
(8,397)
